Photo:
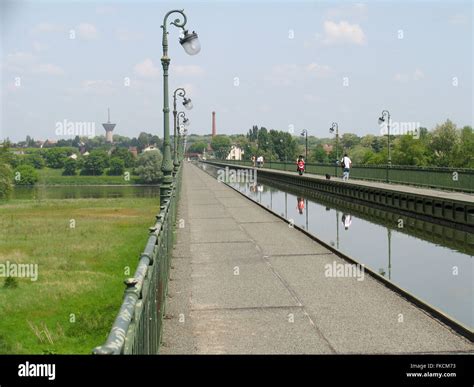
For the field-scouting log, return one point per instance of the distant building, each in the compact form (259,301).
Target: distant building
(235,153)
(48,143)
(150,148)
(327,148)
(133,150)
(109,128)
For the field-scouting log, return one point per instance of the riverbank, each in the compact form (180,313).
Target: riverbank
(49,176)
(83,249)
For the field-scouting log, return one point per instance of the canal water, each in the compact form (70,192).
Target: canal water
(432,262)
(85,192)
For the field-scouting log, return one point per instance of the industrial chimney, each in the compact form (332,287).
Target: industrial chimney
(213,124)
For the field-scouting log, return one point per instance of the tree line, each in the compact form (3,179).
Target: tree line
(445,145)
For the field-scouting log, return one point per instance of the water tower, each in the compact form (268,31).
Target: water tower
(109,128)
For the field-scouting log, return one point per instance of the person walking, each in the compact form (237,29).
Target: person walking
(346,164)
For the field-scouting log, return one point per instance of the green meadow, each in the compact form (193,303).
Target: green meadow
(84,249)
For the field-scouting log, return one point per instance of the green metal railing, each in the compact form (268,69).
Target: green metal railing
(138,326)
(456,179)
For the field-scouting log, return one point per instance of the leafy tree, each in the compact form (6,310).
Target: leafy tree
(148,167)
(117,167)
(55,157)
(408,150)
(197,147)
(95,163)
(465,157)
(284,145)
(444,144)
(318,155)
(221,145)
(35,160)
(6,174)
(125,155)
(25,175)
(70,167)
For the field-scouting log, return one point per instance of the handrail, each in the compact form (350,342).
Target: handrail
(137,327)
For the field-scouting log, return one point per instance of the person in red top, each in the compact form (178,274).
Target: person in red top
(300,205)
(300,165)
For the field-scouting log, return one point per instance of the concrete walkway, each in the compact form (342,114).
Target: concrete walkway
(244,282)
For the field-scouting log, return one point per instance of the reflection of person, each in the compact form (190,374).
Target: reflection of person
(346,220)
(260,188)
(253,187)
(300,204)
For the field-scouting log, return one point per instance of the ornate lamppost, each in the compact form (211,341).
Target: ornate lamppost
(188,105)
(335,128)
(191,45)
(385,117)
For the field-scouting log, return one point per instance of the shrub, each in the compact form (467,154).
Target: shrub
(25,175)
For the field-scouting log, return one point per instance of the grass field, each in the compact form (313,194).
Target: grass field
(49,176)
(71,307)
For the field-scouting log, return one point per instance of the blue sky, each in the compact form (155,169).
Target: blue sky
(290,58)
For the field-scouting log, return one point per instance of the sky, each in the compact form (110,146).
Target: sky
(279,64)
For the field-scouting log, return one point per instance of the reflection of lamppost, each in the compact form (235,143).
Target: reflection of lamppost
(335,127)
(389,237)
(305,133)
(192,46)
(382,119)
(188,105)
(389,240)
(307,215)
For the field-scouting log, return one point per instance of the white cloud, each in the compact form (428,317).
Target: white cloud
(105,10)
(406,77)
(320,71)
(186,70)
(125,35)
(98,87)
(458,19)
(48,68)
(48,27)
(39,47)
(356,11)
(342,32)
(147,69)
(87,31)
(22,63)
(19,61)
(288,74)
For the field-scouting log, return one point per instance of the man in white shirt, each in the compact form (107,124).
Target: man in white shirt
(346,165)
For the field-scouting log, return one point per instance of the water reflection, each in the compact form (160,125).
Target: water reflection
(431,261)
(84,192)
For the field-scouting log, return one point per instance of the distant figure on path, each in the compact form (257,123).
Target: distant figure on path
(260,161)
(346,164)
(253,161)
